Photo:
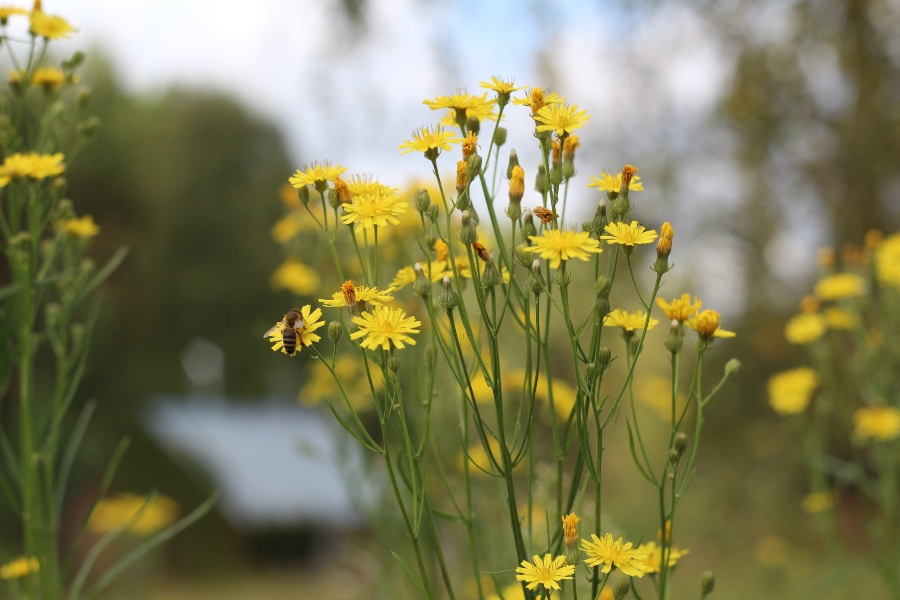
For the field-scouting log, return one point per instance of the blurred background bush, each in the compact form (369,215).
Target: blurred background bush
(764,130)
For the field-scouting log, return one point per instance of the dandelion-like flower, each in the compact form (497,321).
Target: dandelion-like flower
(804,328)
(430,141)
(48,78)
(614,553)
(461,100)
(557,245)
(369,295)
(407,275)
(547,572)
(362,184)
(20,567)
(840,319)
(316,173)
(384,327)
(629,321)
(654,556)
(7,11)
(376,208)
(840,287)
(32,165)
(680,309)
(305,335)
(791,391)
(561,118)
(608,182)
(881,423)
(83,227)
(538,98)
(500,86)
(628,234)
(707,325)
(50,27)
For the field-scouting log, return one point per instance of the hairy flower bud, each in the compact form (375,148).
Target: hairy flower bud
(433,212)
(393,364)
(513,162)
(473,125)
(334,201)
(423,200)
(675,341)
(303,194)
(707,583)
(681,443)
(536,281)
(528,228)
(491,275)
(622,588)
(499,136)
(603,286)
(525,258)
(604,358)
(335,331)
(447,298)
(540,181)
(732,367)
(473,167)
(467,233)
(421,287)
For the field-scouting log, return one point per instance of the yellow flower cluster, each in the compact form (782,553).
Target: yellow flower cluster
(31,165)
(142,516)
(879,423)
(19,568)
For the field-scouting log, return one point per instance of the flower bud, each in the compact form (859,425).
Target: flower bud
(393,364)
(540,182)
(555,175)
(513,162)
(421,287)
(633,342)
(603,286)
(568,170)
(473,167)
(491,275)
(602,307)
(673,457)
(675,341)
(334,200)
(473,125)
(423,200)
(663,249)
(622,588)
(469,144)
(562,277)
(590,371)
(525,258)
(681,443)
(732,367)
(467,233)
(536,281)
(430,239)
(462,181)
(528,228)
(707,583)
(303,194)
(604,358)
(706,324)
(433,212)
(335,331)
(499,136)
(570,538)
(516,191)
(447,298)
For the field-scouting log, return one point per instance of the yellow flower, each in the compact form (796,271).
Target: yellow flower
(606,594)
(614,553)
(629,235)
(305,335)
(840,287)
(791,391)
(819,502)
(561,118)
(570,529)
(511,592)
(83,227)
(407,275)
(20,567)
(538,98)
(629,321)
(32,165)
(500,86)
(557,245)
(478,112)
(374,209)
(296,276)
(320,384)
(655,392)
(7,11)
(547,572)
(838,318)
(707,325)
(804,328)
(608,182)
(149,516)
(316,173)
(48,78)
(680,309)
(385,327)
(460,101)
(430,140)
(360,185)
(887,261)
(654,556)
(50,27)
(877,422)
(370,295)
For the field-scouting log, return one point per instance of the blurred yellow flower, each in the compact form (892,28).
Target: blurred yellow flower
(629,321)
(511,592)
(608,182)
(31,164)
(880,423)
(606,593)
(20,567)
(407,275)
(430,139)
(791,391)
(7,11)
(547,572)
(819,502)
(887,261)
(804,328)
(561,118)
(838,318)
(376,208)
(557,245)
(629,235)
(48,78)
(655,392)
(83,227)
(305,335)
(296,276)
(360,185)
(654,556)
(320,384)
(149,516)
(385,327)
(370,295)
(771,551)
(316,173)
(840,287)
(680,309)
(478,457)
(460,101)
(614,553)
(50,27)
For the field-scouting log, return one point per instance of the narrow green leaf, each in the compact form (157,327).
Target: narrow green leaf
(105,271)
(71,451)
(411,574)
(635,457)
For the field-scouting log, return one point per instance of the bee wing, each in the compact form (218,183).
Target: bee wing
(270,331)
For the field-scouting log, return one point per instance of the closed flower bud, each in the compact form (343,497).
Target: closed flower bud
(430,239)
(423,200)
(421,287)
(603,286)
(604,358)
(602,307)
(516,188)
(513,162)
(568,170)
(491,275)
(540,182)
(433,212)
(673,457)
(675,341)
(707,583)
(590,370)
(622,588)
(334,200)
(528,228)
(500,136)
(462,180)
(570,538)
(732,367)
(663,249)
(473,167)
(681,443)
(620,207)
(393,364)
(473,125)
(525,258)
(536,281)
(335,331)
(562,277)
(467,233)
(633,342)
(303,195)
(447,299)
(706,324)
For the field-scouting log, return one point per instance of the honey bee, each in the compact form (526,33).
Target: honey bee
(293,326)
